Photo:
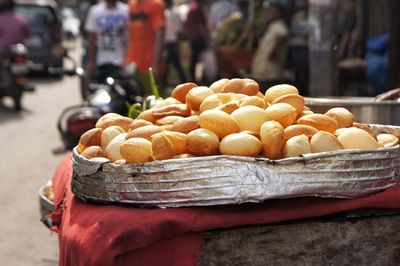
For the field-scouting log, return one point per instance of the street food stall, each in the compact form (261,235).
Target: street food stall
(225,175)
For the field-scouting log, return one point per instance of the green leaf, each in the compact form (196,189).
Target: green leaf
(153,85)
(134,110)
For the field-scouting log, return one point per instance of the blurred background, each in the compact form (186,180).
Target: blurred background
(326,48)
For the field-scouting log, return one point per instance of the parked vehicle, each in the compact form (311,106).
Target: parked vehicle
(13,74)
(106,94)
(45,43)
(73,122)
(70,23)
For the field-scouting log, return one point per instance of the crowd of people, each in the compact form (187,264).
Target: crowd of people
(144,34)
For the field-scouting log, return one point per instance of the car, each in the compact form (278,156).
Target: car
(45,46)
(70,23)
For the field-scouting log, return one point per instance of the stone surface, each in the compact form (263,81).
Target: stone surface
(353,241)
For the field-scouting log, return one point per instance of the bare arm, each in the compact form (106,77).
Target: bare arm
(92,51)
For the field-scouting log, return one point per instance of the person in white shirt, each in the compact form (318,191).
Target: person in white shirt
(107,25)
(173,28)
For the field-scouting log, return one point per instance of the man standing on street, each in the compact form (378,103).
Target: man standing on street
(197,32)
(173,29)
(107,25)
(146,35)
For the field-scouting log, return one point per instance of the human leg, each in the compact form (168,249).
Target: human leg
(176,62)
(198,46)
(193,60)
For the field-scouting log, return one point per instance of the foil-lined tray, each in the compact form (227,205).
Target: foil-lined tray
(219,180)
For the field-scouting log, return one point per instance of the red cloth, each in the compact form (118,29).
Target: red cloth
(91,234)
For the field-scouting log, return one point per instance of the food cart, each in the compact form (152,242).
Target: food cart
(305,230)
(308,230)
(334,207)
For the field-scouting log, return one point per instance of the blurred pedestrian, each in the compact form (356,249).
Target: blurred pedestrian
(298,51)
(146,35)
(270,55)
(107,27)
(197,33)
(347,30)
(83,12)
(13,28)
(173,29)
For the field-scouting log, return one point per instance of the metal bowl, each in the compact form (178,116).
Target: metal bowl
(45,204)
(365,109)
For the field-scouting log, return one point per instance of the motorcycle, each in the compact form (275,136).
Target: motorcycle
(110,93)
(13,75)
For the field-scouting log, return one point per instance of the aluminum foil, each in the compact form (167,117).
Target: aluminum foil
(218,180)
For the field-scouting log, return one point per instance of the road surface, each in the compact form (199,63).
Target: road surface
(26,162)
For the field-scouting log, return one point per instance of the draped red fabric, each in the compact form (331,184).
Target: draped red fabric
(94,234)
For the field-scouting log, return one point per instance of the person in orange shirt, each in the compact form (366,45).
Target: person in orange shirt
(146,33)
